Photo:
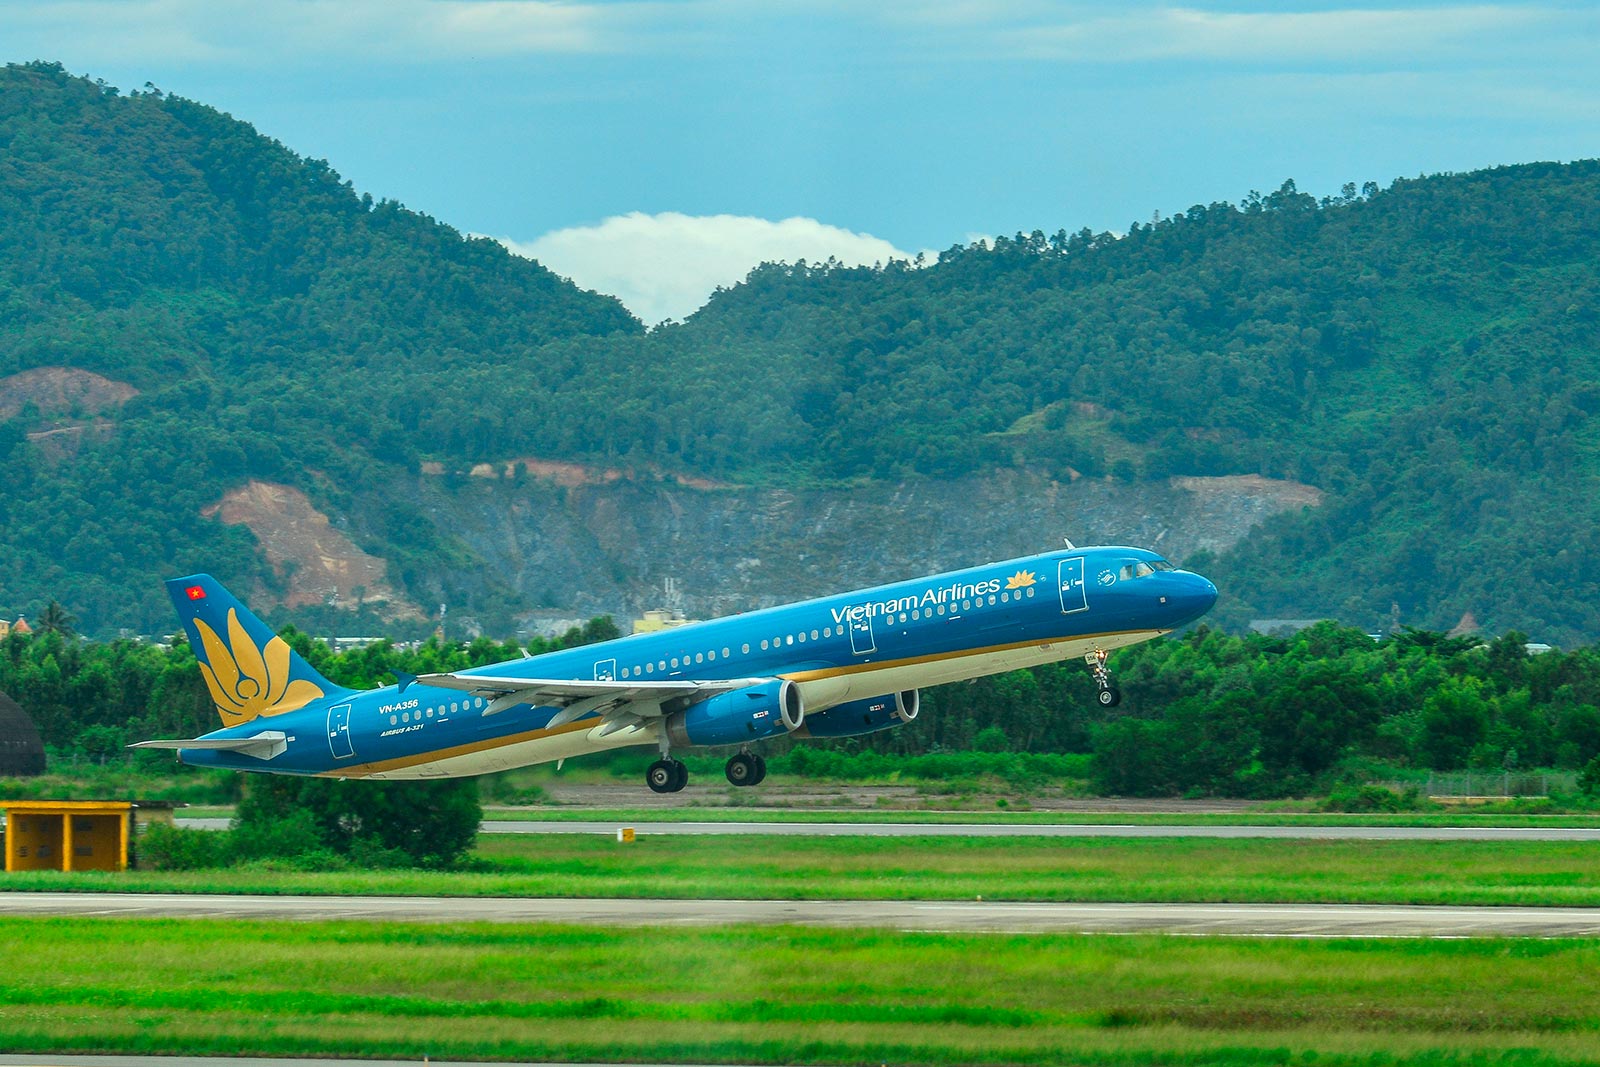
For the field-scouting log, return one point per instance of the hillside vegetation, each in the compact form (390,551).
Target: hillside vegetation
(1427,354)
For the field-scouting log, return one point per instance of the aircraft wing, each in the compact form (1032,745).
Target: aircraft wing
(622,703)
(264,745)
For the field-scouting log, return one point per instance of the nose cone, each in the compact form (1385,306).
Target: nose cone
(1187,597)
(1197,598)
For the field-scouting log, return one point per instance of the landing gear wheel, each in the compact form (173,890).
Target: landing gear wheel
(1109,696)
(666,776)
(761,770)
(743,769)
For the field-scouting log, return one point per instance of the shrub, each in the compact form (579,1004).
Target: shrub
(1589,778)
(164,847)
(1370,798)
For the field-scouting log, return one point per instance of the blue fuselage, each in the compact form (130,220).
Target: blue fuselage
(857,645)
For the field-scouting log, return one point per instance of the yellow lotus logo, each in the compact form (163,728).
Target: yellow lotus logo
(1021,580)
(246,681)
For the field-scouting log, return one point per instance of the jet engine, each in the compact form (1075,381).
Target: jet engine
(747,714)
(863,716)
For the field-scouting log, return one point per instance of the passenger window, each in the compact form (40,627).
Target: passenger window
(744,649)
(699,657)
(813,635)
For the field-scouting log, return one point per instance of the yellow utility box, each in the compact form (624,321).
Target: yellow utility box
(66,835)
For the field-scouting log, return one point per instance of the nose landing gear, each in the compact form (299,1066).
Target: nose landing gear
(1107,695)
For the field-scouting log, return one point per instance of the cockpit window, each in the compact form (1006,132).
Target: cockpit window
(1140,568)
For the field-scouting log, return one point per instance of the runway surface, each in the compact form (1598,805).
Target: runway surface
(1277,920)
(984,829)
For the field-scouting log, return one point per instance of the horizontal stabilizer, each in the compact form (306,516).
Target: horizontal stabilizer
(264,746)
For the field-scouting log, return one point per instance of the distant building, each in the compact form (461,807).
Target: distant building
(345,644)
(19,627)
(21,750)
(656,621)
(1282,627)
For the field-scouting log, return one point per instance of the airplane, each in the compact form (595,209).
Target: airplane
(837,666)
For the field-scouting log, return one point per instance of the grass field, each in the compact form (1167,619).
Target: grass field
(1075,869)
(788,995)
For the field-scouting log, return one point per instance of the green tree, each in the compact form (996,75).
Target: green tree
(425,823)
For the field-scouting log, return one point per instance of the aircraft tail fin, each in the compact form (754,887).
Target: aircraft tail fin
(250,671)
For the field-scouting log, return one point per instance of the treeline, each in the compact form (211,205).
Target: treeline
(1220,715)
(1204,714)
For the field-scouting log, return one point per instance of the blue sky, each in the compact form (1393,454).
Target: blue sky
(655,150)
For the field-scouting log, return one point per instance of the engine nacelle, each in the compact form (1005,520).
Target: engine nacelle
(864,716)
(747,714)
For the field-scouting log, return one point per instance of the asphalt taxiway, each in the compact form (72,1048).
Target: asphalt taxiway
(1276,920)
(995,829)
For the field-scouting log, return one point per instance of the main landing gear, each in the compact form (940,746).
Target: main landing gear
(746,768)
(1108,695)
(666,775)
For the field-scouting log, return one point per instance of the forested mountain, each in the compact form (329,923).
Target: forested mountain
(275,323)
(1426,354)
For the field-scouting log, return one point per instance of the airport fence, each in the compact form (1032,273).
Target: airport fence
(1497,784)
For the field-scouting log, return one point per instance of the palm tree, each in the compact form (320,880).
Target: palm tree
(55,619)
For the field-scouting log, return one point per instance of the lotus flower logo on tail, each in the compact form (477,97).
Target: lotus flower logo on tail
(245,681)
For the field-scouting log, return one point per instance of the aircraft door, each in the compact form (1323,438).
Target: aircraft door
(1074,597)
(605,670)
(862,640)
(339,732)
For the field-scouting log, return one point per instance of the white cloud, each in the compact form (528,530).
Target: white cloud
(1352,34)
(266,32)
(666,266)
